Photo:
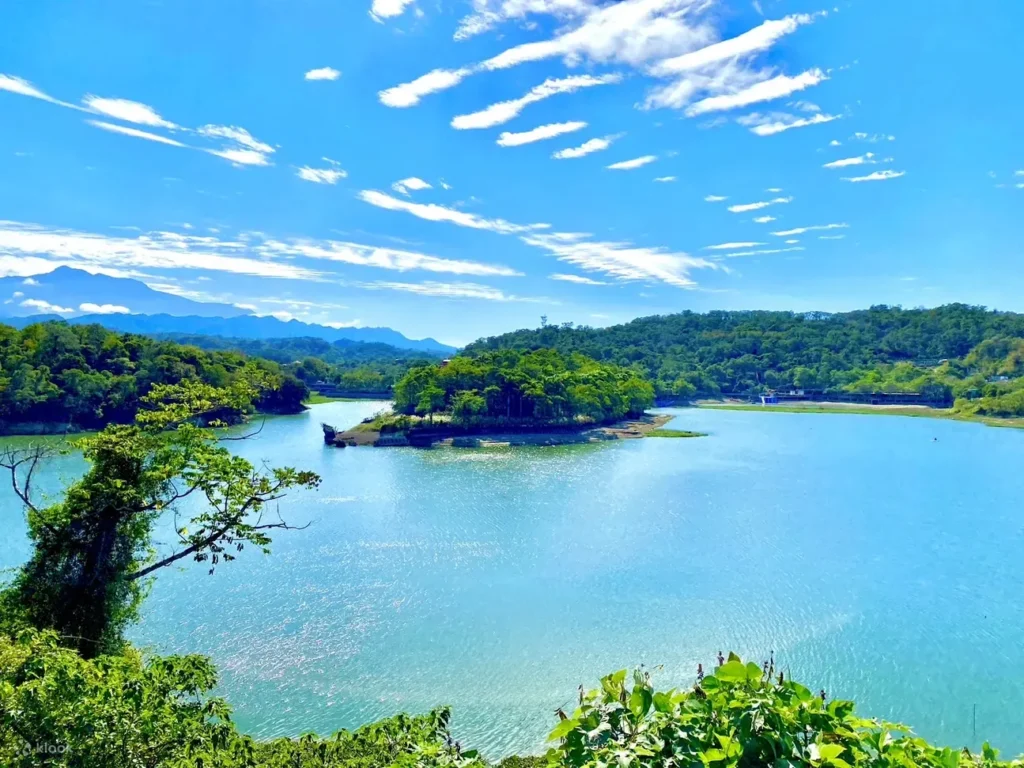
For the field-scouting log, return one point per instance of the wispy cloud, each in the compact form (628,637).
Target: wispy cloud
(665,179)
(388,9)
(503,111)
(45,306)
(623,261)
(128,111)
(433,212)
(831,237)
(848,161)
(876,176)
(753,41)
(745,207)
(580,279)
(715,198)
(324,73)
(540,133)
(586,148)
(766,90)
(23,87)
(872,138)
(134,132)
(103,309)
(730,246)
(409,94)
(321,175)
(764,219)
(763,252)
(449,290)
(411,184)
(629,165)
(777,122)
(802,230)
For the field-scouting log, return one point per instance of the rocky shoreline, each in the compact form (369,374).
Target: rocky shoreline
(628,429)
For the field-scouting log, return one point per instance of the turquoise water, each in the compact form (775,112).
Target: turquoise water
(878,563)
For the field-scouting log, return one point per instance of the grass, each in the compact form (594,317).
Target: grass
(315,398)
(915,412)
(674,433)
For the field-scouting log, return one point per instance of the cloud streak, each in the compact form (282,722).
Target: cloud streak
(778,122)
(802,230)
(766,90)
(745,207)
(503,111)
(324,73)
(629,165)
(876,176)
(584,149)
(434,212)
(540,133)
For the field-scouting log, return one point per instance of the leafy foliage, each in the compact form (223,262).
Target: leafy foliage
(350,366)
(93,549)
(513,387)
(88,376)
(742,716)
(689,354)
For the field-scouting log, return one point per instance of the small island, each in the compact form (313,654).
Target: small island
(511,397)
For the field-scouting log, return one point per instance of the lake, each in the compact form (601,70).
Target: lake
(877,562)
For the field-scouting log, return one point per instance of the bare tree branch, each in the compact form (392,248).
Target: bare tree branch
(245,436)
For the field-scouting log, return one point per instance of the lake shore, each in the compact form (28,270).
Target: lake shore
(915,411)
(627,429)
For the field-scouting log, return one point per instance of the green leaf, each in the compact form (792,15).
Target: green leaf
(563,729)
(830,751)
(640,701)
(732,671)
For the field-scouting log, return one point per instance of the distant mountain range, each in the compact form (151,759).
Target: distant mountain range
(83,293)
(59,295)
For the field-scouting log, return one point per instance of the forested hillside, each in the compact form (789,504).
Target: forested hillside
(87,376)
(706,354)
(351,366)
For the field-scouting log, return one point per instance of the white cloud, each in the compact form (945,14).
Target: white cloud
(873,138)
(586,148)
(763,252)
(848,161)
(409,94)
(777,122)
(324,73)
(665,179)
(17,294)
(623,261)
(103,309)
(503,111)
(876,176)
(22,87)
(835,143)
(321,175)
(631,32)
(540,133)
(744,207)
(831,237)
(433,212)
(1018,173)
(489,13)
(774,190)
(388,9)
(29,281)
(764,219)
(766,90)
(447,290)
(715,198)
(792,242)
(753,41)
(381,258)
(802,230)
(135,132)
(412,183)
(45,306)
(576,279)
(241,156)
(636,162)
(128,111)
(730,246)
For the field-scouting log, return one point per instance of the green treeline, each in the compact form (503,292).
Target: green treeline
(350,366)
(75,694)
(87,376)
(512,387)
(882,348)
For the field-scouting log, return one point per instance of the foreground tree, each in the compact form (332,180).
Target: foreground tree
(93,551)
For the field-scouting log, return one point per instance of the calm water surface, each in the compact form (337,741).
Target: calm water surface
(876,562)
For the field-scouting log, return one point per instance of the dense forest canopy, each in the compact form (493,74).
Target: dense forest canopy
(350,366)
(512,386)
(87,376)
(878,349)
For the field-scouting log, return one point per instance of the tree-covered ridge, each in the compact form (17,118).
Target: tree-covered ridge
(510,387)
(690,354)
(87,376)
(352,367)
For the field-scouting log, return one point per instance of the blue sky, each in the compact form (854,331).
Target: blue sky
(254,152)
